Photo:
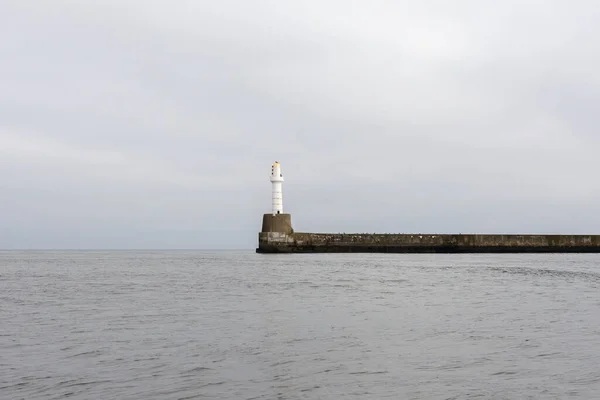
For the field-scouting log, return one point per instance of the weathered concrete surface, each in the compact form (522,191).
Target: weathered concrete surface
(281,223)
(284,242)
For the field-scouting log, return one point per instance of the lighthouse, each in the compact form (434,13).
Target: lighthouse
(277,194)
(277,222)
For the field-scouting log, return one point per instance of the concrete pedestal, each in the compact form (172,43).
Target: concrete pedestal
(281,223)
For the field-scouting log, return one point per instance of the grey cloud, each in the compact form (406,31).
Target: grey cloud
(149,124)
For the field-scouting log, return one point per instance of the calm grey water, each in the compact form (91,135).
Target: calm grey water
(237,325)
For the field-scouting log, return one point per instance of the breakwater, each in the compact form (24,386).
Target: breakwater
(276,242)
(278,236)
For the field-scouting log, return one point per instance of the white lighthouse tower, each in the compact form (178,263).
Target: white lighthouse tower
(276,222)
(277,194)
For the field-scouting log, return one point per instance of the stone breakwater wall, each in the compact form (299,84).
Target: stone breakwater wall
(277,242)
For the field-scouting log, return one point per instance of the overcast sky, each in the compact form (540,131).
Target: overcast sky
(153,124)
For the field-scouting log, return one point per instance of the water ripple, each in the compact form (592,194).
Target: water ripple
(236,325)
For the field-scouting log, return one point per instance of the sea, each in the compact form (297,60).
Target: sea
(241,325)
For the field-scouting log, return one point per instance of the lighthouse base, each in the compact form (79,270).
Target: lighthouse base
(281,223)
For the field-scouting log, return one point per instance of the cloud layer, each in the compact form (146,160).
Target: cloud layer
(150,124)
